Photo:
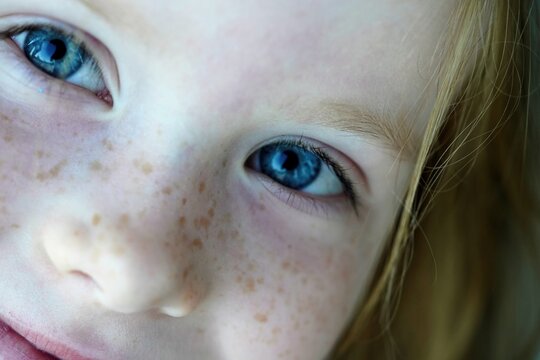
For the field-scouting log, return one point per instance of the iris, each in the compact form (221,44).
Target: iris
(290,165)
(53,52)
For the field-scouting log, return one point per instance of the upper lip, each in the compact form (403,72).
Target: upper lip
(43,342)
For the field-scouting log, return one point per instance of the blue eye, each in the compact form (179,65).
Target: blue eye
(303,167)
(54,53)
(60,55)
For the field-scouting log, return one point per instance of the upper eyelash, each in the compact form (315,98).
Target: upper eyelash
(338,169)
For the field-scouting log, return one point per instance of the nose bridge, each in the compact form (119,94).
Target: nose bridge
(138,260)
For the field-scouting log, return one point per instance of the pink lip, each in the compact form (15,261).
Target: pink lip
(18,342)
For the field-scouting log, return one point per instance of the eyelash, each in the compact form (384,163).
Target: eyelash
(37,77)
(341,172)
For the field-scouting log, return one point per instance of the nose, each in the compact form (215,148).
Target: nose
(132,267)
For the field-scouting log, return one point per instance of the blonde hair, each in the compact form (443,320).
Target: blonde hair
(471,288)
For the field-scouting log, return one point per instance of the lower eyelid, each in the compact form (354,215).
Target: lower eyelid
(326,207)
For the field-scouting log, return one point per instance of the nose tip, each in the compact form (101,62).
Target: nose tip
(128,277)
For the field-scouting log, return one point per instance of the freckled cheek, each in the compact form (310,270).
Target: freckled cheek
(296,284)
(301,247)
(286,305)
(36,167)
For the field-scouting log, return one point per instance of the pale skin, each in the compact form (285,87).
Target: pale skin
(137,231)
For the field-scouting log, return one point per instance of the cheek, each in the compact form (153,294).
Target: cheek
(292,286)
(289,303)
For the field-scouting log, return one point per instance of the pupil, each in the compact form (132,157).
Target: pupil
(290,161)
(57,49)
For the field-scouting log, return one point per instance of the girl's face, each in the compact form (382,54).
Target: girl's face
(189,179)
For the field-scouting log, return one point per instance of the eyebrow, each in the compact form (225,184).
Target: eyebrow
(395,133)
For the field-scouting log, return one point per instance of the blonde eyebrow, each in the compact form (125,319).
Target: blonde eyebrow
(396,134)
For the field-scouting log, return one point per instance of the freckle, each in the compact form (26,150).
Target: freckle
(285,265)
(107,144)
(239,278)
(147,168)
(211,212)
(224,163)
(204,222)
(250,285)
(186,271)
(276,331)
(96,219)
(182,221)
(123,220)
(167,190)
(15,226)
(5,119)
(260,280)
(52,173)
(202,186)
(96,166)
(280,290)
(39,154)
(197,244)
(8,138)
(184,201)
(262,318)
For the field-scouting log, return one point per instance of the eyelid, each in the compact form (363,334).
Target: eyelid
(95,48)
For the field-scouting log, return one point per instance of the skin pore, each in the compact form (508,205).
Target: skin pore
(143,229)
